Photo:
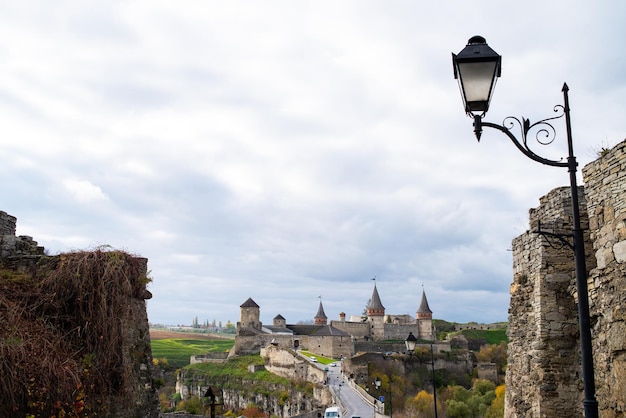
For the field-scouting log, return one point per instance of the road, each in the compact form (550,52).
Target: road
(353,403)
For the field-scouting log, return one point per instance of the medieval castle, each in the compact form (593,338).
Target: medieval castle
(337,339)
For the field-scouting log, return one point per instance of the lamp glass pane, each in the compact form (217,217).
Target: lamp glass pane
(477,79)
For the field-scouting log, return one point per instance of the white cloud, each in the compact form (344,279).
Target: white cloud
(290,149)
(84,191)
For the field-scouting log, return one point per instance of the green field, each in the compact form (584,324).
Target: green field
(178,351)
(493,336)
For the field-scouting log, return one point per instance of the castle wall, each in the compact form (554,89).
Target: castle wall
(249,318)
(358,330)
(252,343)
(288,364)
(401,331)
(544,360)
(329,346)
(377,324)
(543,376)
(605,188)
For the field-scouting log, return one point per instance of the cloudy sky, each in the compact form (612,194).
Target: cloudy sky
(286,150)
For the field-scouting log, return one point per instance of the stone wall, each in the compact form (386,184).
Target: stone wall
(7,224)
(543,358)
(12,245)
(23,255)
(544,372)
(359,330)
(328,346)
(605,186)
(218,357)
(287,363)
(422,330)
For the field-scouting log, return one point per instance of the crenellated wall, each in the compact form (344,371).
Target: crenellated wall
(544,372)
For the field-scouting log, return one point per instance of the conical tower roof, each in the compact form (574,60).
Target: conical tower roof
(424,308)
(424,312)
(320,316)
(375,307)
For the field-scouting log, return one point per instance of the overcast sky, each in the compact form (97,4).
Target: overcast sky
(286,150)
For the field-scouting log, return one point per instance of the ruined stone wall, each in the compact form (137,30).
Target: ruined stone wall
(605,186)
(544,372)
(12,245)
(287,363)
(252,343)
(7,224)
(543,367)
(23,256)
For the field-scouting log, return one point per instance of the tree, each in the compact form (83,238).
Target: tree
(458,409)
(253,411)
(496,409)
(364,313)
(192,405)
(494,353)
(421,405)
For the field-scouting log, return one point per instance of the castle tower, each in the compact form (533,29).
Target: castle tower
(249,315)
(376,315)
(279,321)
(424,319)
(342,316)
(320,317)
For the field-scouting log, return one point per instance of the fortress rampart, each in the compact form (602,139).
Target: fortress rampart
(544,372)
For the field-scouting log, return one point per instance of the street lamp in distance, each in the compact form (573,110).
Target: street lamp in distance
(410,342)
(378,383)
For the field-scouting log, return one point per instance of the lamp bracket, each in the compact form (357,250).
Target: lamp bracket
(543,131)
(564,238)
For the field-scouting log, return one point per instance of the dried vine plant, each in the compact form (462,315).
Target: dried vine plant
(62,333)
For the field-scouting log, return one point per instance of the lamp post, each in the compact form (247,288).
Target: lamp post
(377,383)
(477,68)
(432,363)
(410,343)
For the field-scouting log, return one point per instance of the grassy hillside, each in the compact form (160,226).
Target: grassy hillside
(491,336)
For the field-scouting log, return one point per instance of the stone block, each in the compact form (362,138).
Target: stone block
(603,257)
(619,250)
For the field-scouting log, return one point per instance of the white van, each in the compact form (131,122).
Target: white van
(332,412)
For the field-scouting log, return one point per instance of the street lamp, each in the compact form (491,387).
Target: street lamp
(410,342)
(377,383)
(477,67)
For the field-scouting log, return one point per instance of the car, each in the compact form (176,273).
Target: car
(333,364)
(332,412)
(313,359)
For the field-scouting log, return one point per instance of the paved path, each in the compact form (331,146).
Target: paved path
(354,405)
